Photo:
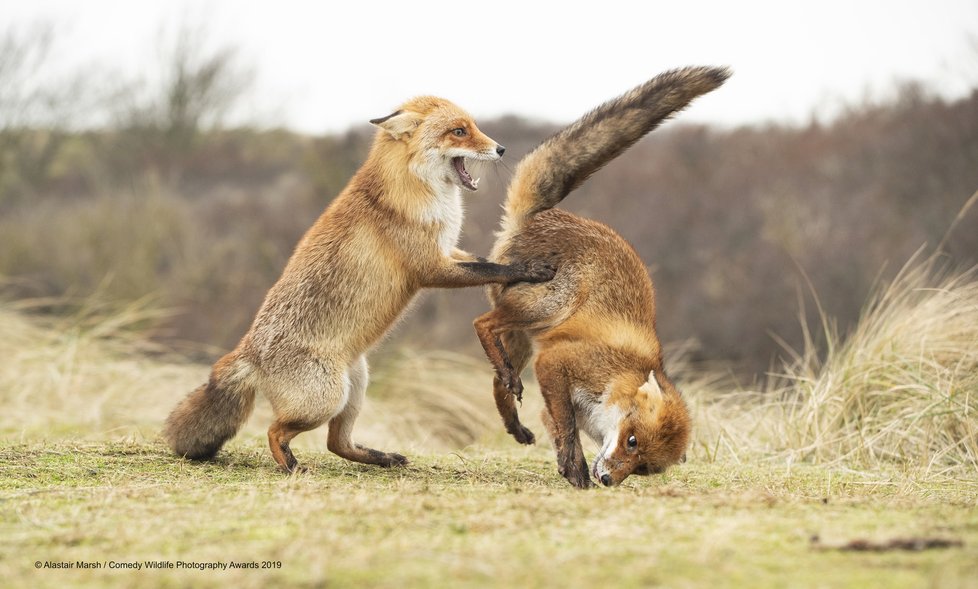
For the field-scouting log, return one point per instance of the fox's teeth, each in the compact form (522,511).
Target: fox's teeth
(476,182)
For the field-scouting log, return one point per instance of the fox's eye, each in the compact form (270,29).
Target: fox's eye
(460,132)
(632,442)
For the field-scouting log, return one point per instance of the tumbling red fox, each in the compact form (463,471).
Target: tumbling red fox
(592,328)
(391,232)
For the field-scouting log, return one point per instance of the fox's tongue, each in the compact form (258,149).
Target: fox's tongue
(463,174)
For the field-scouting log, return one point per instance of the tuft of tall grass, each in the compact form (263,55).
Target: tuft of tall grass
(900,389)
(86,374)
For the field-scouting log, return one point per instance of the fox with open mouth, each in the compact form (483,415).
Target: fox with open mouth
(390,233)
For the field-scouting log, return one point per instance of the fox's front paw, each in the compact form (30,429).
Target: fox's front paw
(538,271)
(575,476)
(572,466)
(581,481)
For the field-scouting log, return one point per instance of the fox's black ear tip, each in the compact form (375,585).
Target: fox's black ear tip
(384,119)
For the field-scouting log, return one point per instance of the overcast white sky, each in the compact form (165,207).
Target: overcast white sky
(322,66)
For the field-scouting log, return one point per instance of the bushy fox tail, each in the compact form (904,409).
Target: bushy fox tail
(212,414)
(560,164)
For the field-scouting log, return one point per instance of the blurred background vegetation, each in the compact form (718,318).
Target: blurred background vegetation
(161,201)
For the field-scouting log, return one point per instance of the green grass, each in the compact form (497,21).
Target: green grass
(478,517)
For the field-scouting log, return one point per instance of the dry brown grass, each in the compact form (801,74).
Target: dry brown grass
(900,389)
(88,375)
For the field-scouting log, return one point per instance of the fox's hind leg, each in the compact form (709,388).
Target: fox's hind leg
(305,391)
(279,436)
(340,437)
(517,309)
(491,328)
(519,349)
(503,335)
(509,350)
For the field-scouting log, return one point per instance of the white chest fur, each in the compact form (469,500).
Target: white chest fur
(445,210)
(595,415)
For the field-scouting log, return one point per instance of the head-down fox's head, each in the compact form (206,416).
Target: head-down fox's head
(439,137)
(651,433)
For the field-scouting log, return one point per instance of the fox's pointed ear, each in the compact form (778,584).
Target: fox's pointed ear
(652,388)
(398,123)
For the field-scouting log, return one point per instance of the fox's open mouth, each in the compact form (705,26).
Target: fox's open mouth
(463,175)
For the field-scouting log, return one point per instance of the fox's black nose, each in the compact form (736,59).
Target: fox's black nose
(606,480)
(500,150)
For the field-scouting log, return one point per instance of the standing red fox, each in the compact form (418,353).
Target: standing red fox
(391,232)
(599,362)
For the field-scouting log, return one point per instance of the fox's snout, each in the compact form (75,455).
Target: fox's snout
(485,147)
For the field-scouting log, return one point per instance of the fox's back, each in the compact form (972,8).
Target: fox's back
(599,271)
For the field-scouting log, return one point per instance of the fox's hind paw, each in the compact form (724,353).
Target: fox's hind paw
(523,435)
(394,459)
(385,459)
(515,386)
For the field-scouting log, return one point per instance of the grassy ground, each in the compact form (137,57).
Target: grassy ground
(871,446)
(478,517)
